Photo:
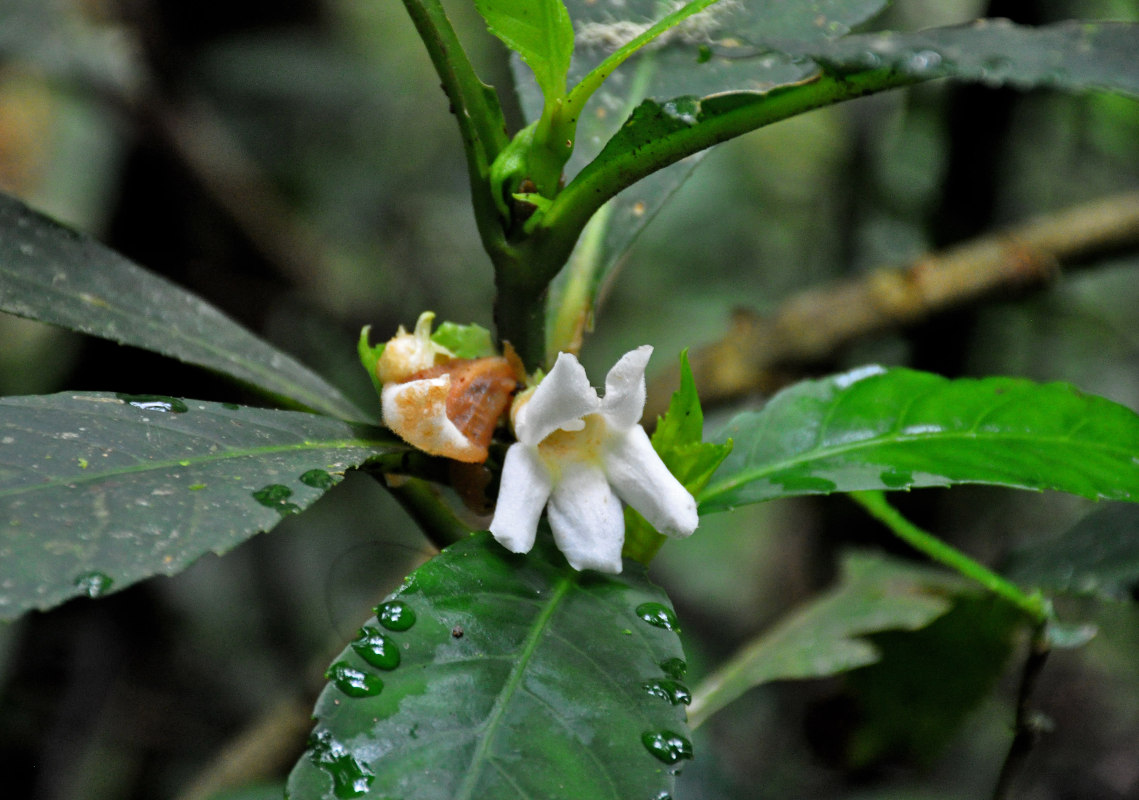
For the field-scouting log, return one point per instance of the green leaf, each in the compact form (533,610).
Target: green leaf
(1099,556)
(504,676)
(540,32)
(824,638)
(874,428)
(1074,55)
(679,440)
(55,275)
(98,491)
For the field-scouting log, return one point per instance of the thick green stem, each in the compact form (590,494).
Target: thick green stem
(875,503)
(476,109)
(726,117)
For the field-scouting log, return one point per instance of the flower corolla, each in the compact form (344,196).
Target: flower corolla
(579,455)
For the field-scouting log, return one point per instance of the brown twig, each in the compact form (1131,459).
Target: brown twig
(1028,725)
(759,354)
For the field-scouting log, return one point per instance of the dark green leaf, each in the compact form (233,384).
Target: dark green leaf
(99,491)
(1068,55)
(519,679)
(540,32)
(824,637)
(1098,556)
(913,701)
(874,428)
(53,274)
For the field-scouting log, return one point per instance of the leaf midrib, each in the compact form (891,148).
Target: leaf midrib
(717,489)
(513,683)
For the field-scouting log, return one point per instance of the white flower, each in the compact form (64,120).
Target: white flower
(579,453)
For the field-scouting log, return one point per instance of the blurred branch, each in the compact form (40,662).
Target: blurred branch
(1028,725)
(759,354)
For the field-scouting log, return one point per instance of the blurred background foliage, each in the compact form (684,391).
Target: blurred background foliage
(294,162)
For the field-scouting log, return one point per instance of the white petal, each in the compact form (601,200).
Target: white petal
(417,412)
(525,489)
(624,400)
(642,480)
(562,398)
(587,519)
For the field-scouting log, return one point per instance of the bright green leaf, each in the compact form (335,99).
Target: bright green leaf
(1099,556)
(518,678)
(540,32)
(874,428)
(824,637)
(55,275)
(370,356)
(98,491)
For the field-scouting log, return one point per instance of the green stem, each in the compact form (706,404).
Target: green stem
(1035,606)
(476,109)
(423,503)
(723,118)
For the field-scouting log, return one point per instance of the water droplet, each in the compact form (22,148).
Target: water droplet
(93,584)
(662,796)
(674,668)
(350,778)
(354,682)
(395,615)
(667,746)
(196,487)
(277,497)
(317,479)
(231,406)
(674,692)
(376,648)
(155,402)
(658,615)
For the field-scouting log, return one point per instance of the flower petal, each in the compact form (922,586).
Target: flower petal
(642,480)
(562,398)
(525,489)
(587,519)
(624,400)
(417,411)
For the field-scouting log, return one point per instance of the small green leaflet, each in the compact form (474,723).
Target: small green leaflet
(540,32)
(679,440)
(889,429)
(465,341)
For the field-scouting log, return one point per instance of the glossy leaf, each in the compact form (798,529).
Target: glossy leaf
(540,32)
(825,637)
(55,275)
(99,491)
(519,678)
(1099,556)
(874,428)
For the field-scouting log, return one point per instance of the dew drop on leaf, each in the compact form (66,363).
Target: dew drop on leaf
(674,692)
(395,615)
(658,615)
(352,681)
(276,496)
(376,648)
(349,777)
(674,668)
(317,479)
(93,584)
(155,402)
(667,746)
